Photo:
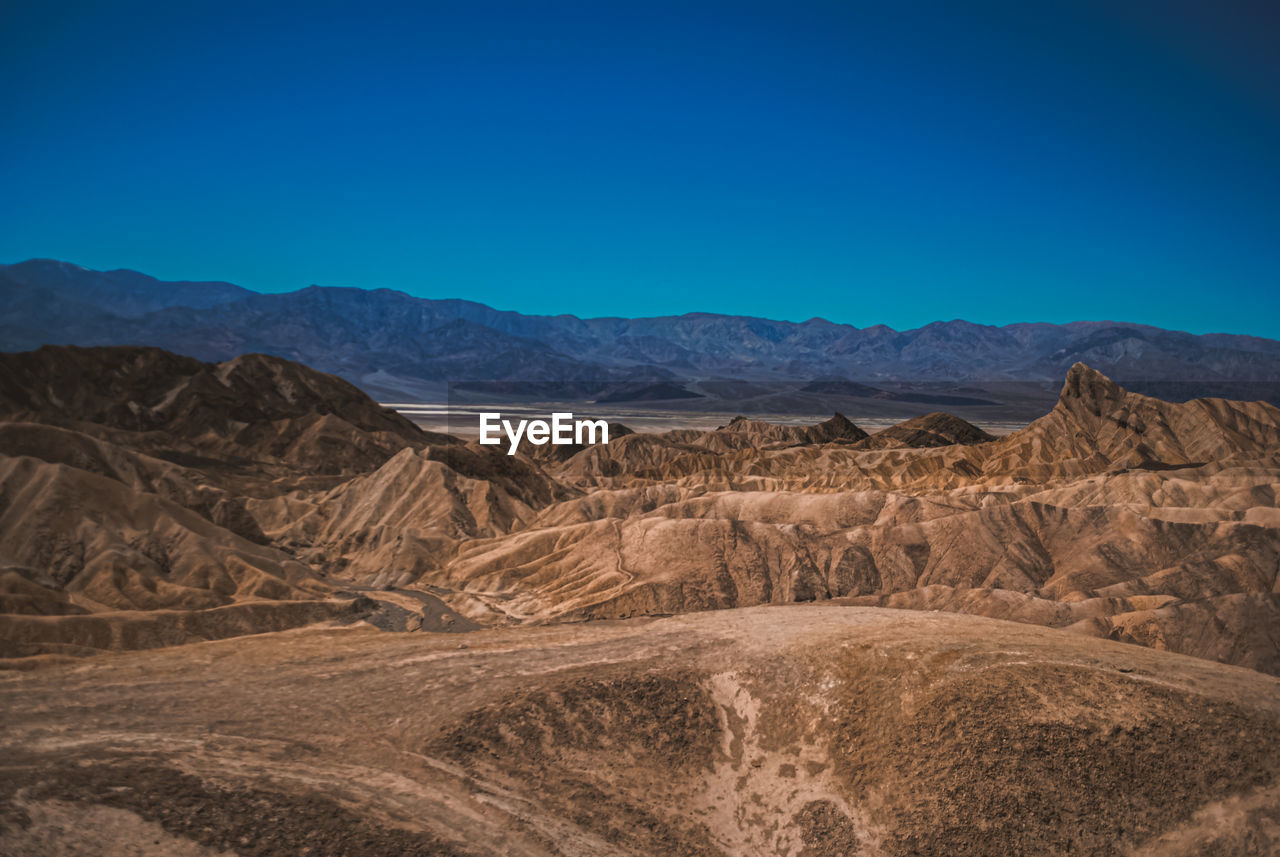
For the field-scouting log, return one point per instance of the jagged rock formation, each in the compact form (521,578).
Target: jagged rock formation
(254,410)
(1114,515)
(127,479)
(936,429)
(191,511)
(742,433)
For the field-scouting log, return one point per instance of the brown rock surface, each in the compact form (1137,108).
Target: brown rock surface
(936,429)
(1114,515)
(803,730)
(148,501)
(246,414)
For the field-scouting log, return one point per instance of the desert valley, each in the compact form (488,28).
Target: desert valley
(247,610)
(697,429)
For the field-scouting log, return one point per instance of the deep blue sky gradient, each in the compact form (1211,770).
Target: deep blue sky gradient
(869,163)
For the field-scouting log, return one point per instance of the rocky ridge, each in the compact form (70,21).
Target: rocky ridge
(1114,515)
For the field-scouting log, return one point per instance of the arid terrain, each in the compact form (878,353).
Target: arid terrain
(806,730)
(248,610)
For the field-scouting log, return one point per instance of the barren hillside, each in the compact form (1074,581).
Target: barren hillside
(264,529)
(135,481)
(805,730)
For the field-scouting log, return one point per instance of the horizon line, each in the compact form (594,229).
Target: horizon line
(588,318)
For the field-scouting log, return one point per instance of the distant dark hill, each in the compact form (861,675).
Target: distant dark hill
(649,393)
(396,345)
(839,387)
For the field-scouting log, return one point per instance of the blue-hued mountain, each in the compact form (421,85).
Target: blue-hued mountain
(394,344)
(123,293)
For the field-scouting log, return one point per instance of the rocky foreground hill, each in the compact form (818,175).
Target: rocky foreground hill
(150,500)
(813,730)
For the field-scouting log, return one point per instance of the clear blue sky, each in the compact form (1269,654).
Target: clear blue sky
(869,163)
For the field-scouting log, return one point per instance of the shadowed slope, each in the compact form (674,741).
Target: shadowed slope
(111,546)
(254,409)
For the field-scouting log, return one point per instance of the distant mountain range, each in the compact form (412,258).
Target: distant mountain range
(399,346)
